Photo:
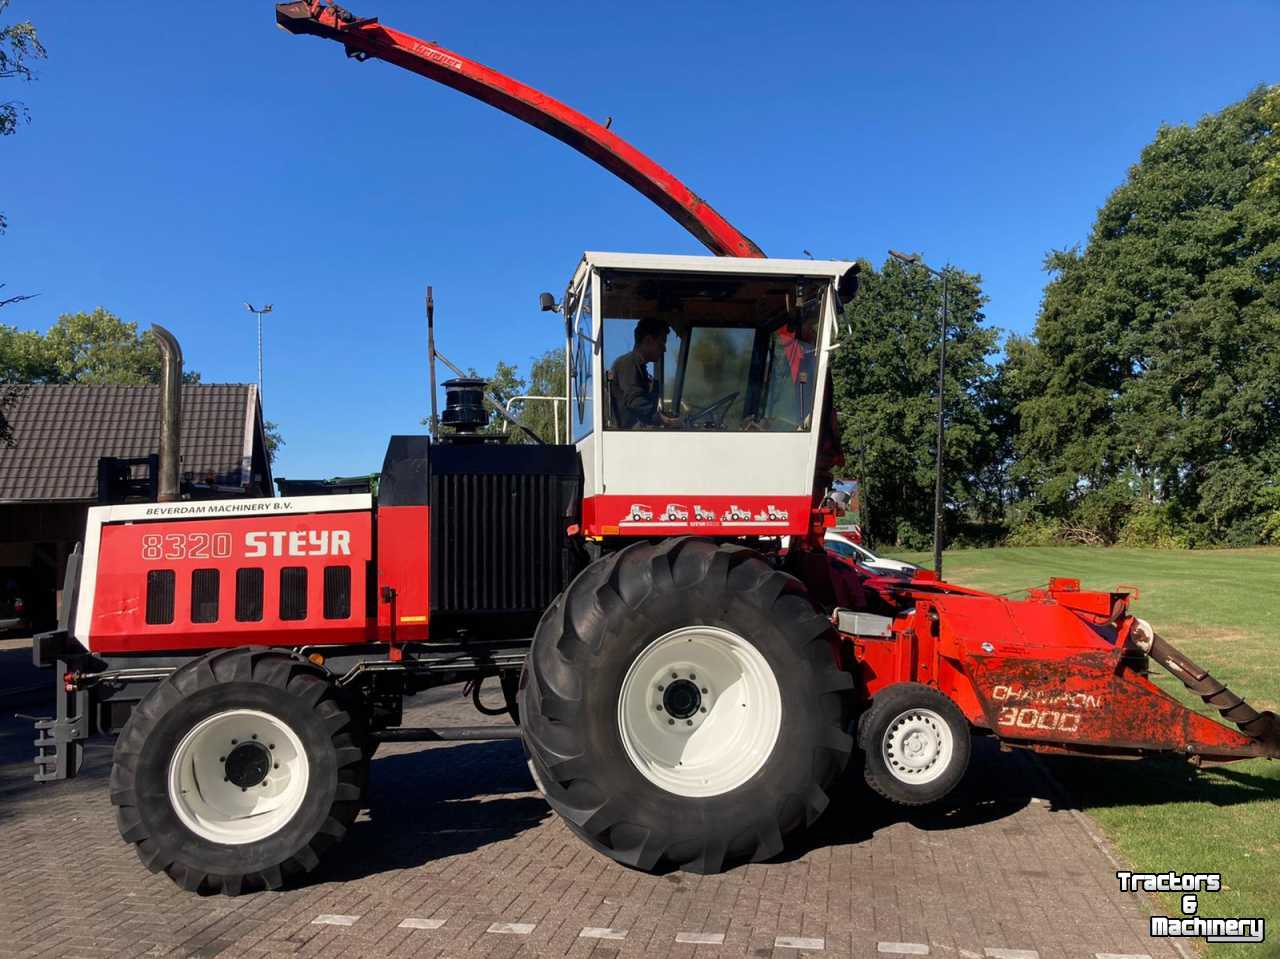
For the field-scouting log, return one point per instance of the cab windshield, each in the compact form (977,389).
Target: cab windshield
(710,352)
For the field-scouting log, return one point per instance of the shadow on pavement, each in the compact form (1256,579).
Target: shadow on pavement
(997,785)
(431,804)
(1094,783)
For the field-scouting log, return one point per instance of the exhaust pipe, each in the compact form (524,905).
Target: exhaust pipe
(170,412)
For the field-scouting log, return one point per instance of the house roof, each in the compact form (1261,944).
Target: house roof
(60,431)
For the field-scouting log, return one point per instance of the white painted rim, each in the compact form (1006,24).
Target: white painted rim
(731,734)
(918,746)
(221,811)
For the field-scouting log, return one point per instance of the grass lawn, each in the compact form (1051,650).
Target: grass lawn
(1221,608)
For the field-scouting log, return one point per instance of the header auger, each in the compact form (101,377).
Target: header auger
(688,669)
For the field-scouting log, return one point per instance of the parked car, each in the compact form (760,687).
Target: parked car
(842,545)
(15,613)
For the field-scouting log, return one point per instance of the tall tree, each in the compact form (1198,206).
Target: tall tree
(1155,379)
(19,46)
(546,378)
(885,378)
(96,347)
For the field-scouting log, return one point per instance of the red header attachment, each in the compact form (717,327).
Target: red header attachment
(365,37)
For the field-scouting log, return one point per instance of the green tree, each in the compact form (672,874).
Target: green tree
(1154,382)
(275,439)
(885,379)
(546,378)
(19,46)
(97,348)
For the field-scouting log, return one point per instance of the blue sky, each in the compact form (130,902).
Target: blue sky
(184,158)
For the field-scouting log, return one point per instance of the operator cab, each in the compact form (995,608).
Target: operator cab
(743,348)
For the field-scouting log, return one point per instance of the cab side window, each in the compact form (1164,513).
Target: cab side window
(583,399)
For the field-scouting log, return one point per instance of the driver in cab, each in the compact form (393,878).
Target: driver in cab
(633,393)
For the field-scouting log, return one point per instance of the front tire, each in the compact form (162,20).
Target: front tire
(682,706)
(916,744)
(240,770)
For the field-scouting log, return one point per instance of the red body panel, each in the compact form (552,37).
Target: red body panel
(128,551)
(697,514)
(1054,671)
(403,566)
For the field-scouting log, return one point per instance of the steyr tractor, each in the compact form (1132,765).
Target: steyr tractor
(686,687)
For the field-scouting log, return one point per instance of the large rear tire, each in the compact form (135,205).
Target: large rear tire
(682,706)
(240,770)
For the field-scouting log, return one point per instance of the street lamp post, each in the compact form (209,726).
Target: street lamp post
(259,315)
(912,259)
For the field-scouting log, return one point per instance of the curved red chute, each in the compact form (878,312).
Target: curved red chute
(365,37)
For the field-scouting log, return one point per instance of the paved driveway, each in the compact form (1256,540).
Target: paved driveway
(459,856)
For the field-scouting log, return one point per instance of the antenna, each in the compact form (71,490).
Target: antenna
(431,362)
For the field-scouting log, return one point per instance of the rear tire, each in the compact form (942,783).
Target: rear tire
(240,770)
(715,765)
(916,744)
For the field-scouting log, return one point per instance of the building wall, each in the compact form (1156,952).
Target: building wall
(38,537)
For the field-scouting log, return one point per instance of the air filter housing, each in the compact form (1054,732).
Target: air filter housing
(464,410)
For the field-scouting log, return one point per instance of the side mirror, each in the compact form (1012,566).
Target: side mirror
(547,303)
(847,285)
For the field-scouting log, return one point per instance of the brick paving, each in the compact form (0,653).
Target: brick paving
(459,856)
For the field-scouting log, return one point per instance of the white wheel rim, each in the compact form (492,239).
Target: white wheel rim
(216,808)
(918,746)
(707,743)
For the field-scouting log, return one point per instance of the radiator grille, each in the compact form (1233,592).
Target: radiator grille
(497,541)
(337,592)
(293,592)
(160,596)
(204,595)
(249,595)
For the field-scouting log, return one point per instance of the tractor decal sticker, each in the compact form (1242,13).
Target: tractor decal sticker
(257,544)
(678,514)
(1042,715)
(1045,697)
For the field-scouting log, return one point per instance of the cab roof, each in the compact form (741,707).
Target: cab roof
(716,264)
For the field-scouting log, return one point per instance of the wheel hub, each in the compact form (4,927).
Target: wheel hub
(699,711)
(247,764)
(917,746)
(238,776)
(681,699)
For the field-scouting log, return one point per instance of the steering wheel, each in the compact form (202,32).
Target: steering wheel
(709,413)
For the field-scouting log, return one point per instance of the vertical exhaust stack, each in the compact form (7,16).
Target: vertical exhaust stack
(170,412)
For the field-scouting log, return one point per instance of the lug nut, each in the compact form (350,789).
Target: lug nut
(222,759)
(660,687)
(234,741)
(692,676)
(671,722)
(688,722)
(703,709)
(675,675)
(658,707)
(277,766)
(254,736)
(704,690)
(271,746)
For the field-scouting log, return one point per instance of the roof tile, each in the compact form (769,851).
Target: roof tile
(60,431)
